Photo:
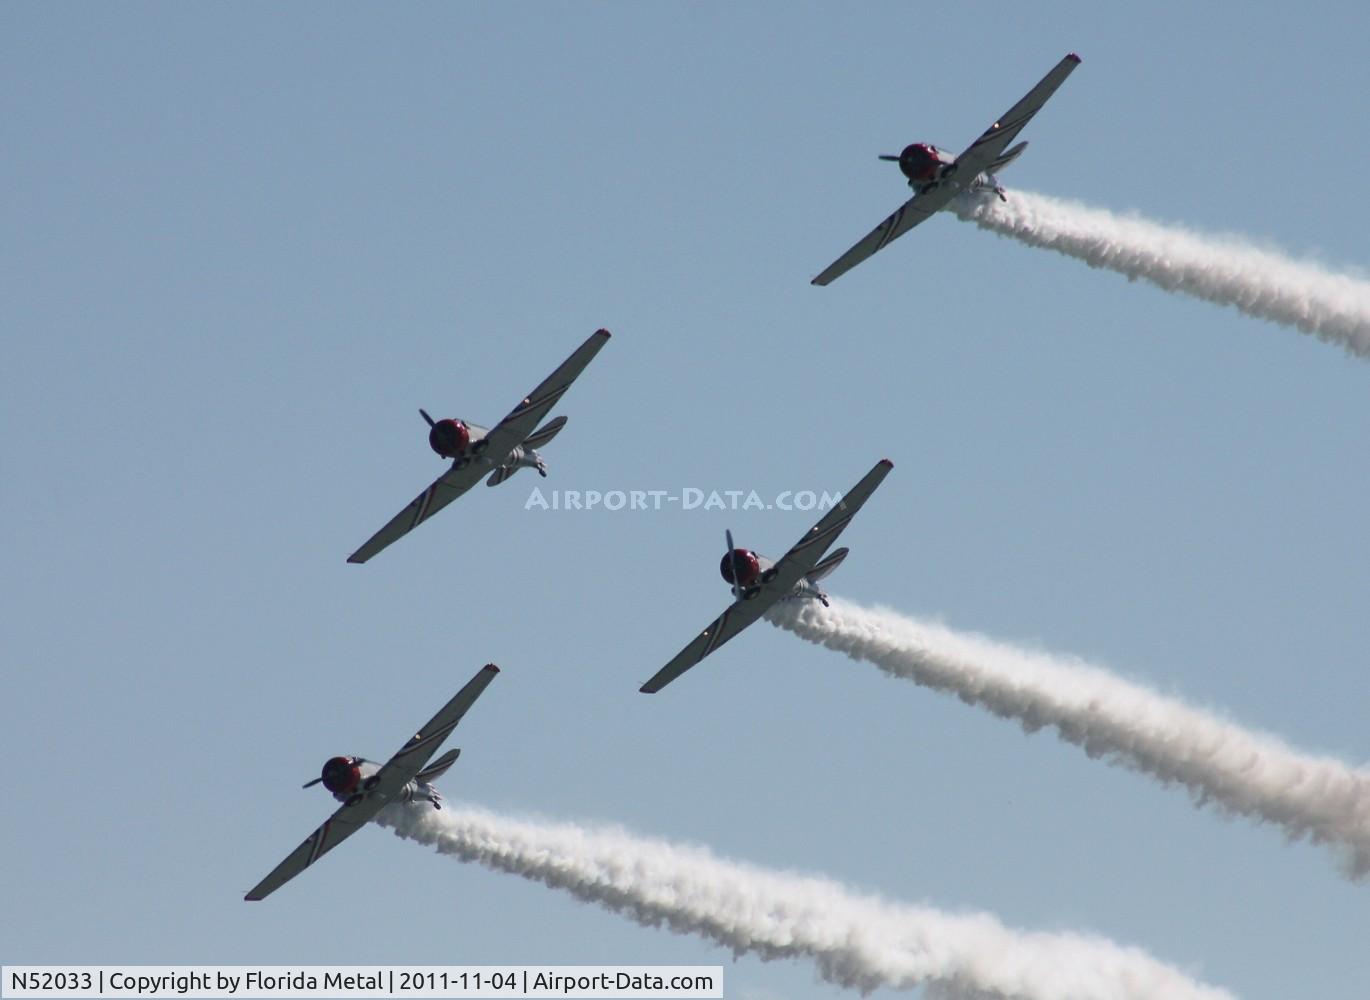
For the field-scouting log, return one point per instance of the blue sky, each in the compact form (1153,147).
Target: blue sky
(242,245)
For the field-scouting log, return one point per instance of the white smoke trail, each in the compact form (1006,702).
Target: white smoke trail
(1246,773)
(856,941)
(1222,269)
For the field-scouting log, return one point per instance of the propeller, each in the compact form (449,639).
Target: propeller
(311,784)
(424,413)
(732,557)
(886,156)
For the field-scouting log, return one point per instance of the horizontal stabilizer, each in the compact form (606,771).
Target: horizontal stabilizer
(501,474)
(439,767)
(826,566)
(1006,158)
(547,431)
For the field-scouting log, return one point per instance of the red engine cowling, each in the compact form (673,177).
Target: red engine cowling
(449,437)
(748,567)
(341,775)
(920,162)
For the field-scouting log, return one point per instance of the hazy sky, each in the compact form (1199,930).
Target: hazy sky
(243,244)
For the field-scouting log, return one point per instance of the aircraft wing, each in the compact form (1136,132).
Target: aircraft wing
(721,629)
(410,758)
(379,789)
(446,488)
(522,419)
(337,828)
(494,448)
(905,217)
(806,552)
(784,578)
(986,149)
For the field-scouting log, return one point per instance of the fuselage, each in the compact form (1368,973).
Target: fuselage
(753,569)
(350,777)
(453,438)
(926,167)
(460,440)
(923,163)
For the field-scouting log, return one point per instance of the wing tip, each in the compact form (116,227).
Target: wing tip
(885,463)
(603,334)
(647,689)
(356,559)
(490,668)
(1073,57)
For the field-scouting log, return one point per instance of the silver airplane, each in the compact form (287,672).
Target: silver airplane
(758,583)
(937,176)
(511,445)
(365,788)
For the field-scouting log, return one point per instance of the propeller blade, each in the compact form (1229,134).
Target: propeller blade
(424,413)
(732,557)
(311,784)
(886,156)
